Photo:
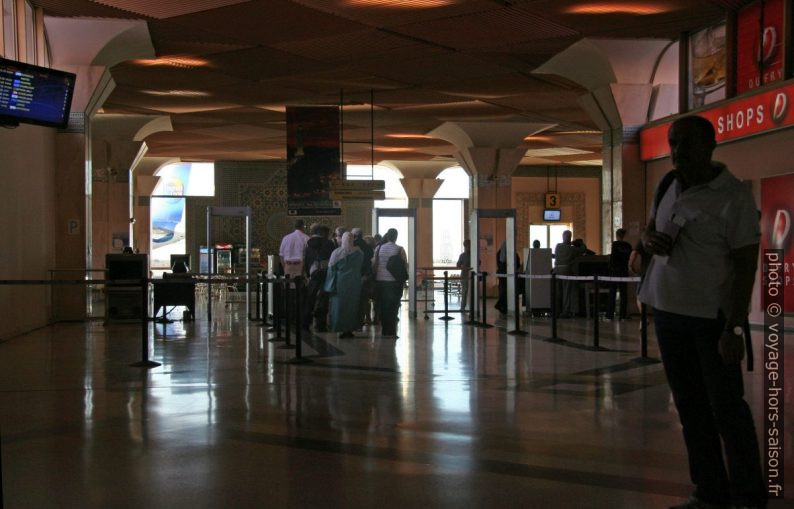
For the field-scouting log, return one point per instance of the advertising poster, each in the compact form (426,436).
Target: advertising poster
(758,61)
(312,160)
(707,66)
(777,208)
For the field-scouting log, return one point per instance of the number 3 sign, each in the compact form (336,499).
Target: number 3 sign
(552,200)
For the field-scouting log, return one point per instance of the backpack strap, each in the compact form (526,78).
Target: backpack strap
(662,188)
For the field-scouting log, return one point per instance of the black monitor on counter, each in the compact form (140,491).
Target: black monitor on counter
(127,267)
(180,262)
(34,95)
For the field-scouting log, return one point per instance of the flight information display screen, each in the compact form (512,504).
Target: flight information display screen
(35,95)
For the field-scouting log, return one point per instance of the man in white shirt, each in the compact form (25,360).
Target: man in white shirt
(291,250)
(704,236)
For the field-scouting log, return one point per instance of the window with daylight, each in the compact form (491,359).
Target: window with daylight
(448,216)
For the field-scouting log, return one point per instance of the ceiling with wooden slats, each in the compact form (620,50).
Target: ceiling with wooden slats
(416,63)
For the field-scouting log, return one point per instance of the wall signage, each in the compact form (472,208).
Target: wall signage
(757,62)
(552,200)
(746,116)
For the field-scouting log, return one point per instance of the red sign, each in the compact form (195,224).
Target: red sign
(747,116)
(759,63)
(777,209)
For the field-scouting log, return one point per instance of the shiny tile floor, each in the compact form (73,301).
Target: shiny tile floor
(446,416)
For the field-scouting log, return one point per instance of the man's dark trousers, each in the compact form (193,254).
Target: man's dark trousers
(709,398)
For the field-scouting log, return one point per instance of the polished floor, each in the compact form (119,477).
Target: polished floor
(446,416)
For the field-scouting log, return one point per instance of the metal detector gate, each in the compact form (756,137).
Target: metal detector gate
(410,214)
(509,215)
(228,212)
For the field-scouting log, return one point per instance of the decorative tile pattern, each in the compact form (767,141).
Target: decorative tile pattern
(261,185)
(526,200)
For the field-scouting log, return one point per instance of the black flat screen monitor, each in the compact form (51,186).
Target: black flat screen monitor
(34,95)
(176,258)
(127,266)
(552,214)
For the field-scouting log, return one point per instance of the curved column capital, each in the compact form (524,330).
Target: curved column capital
(487,134)
(421,187)
(97,41)
(419,169)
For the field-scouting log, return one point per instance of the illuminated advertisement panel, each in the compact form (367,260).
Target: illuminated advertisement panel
(759,62)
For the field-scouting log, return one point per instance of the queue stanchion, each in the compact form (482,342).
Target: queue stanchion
(287,314)
(1,471)
(553,305)
(209,297)
(425,280)
(446,316)
(644,330)
(265,299)
(594,307)
(258,297)
(145,362)
(517,331)
(472,301)
(299,358)
(278,303)
(484,323)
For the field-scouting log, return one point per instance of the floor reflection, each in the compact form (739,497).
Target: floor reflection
(448,415)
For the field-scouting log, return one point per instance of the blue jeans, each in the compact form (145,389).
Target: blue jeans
(709,397)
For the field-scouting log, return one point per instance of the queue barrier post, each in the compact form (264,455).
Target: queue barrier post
(145,362)
(517,331)
(484,322)
(554,305)
(472,301)
(287,314)
(594,307)
(258,284)
(299,358)
(644,330)
(446,316)
(425,282)
(278,303)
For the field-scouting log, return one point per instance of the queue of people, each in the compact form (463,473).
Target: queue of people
(351,280)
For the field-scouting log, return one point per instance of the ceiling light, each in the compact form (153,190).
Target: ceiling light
(640,9)
(555,152)
(538,138)
(179,93)
(394,149)
(401,4)
(408,136)
(174,61)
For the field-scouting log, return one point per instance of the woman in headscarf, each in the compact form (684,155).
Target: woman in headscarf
(343,284)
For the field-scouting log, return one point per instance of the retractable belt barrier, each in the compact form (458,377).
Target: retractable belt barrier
(288,294)
(446,310)
(558,277)
(277,281)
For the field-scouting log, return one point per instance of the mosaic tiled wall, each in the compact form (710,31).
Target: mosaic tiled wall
(261,185)
(538,200)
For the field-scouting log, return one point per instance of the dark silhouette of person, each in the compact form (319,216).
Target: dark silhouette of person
(704,236)
(619,267)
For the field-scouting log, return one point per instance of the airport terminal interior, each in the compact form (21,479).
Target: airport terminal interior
(155,153)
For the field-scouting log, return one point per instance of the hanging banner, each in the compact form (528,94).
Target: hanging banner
(756,114)
(759,62)
(777,210)
(312,160)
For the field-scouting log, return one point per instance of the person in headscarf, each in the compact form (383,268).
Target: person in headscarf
(343,284)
